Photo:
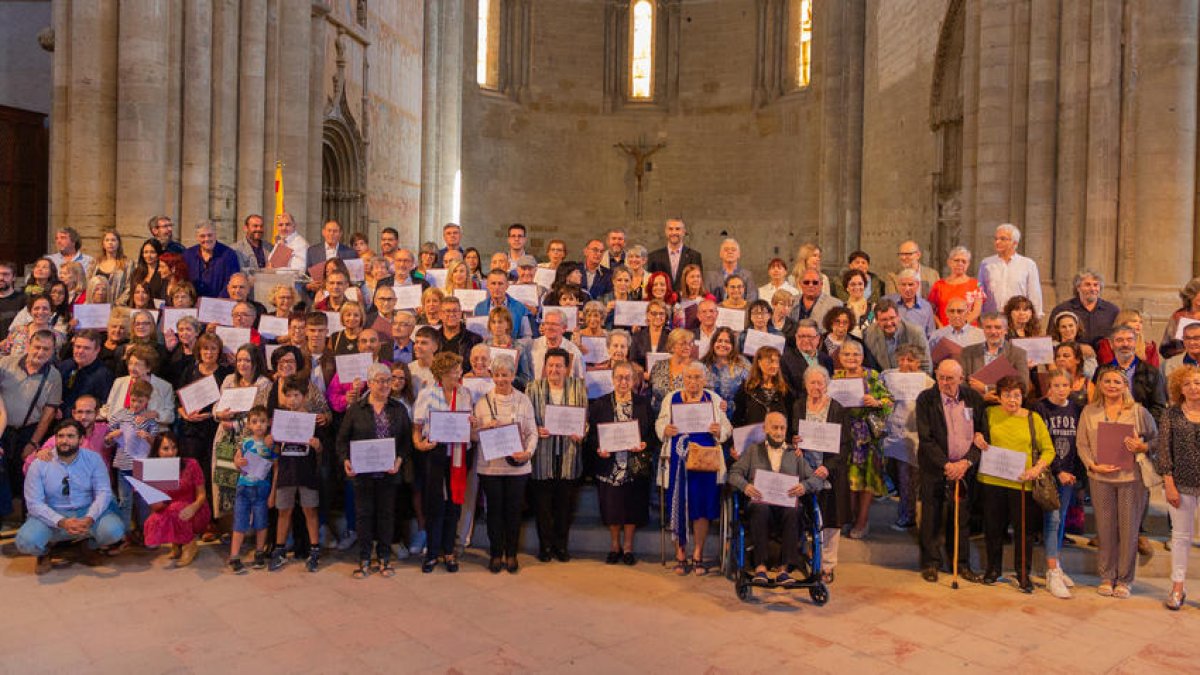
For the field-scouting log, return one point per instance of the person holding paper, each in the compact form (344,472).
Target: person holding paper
(1119,496)
(249,372)
(497,287)
(198,427)
(667,376)
(957,330)
(1178,461)
(373,417)
(1062,419)
(622,290)
(289,248)
(693,292)
(618,344)
(764,391)
(254,464)
(900,443)
(1014,428)
(345,341)
(774,455)
(179,521)
(653,337)
(297,479)
(867,423)
(995,345)
(132,427)
(341,393)
(693,496)
(592,325)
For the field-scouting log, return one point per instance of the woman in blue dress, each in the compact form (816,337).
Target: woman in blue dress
(727,368)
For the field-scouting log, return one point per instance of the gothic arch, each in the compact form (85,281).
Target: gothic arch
(946,121)
(342,175)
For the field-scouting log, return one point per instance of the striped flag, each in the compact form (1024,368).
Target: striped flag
(278,199)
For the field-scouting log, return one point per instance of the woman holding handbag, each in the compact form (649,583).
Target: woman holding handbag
(692,467)
(1179,463)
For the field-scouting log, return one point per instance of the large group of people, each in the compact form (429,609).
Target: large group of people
(179,395)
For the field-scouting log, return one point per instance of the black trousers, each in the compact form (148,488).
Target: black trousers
(1001,508)
(762,516)
(554,502)
(937,522)
(375,500)
(505,496)
(14,441)
(441,513)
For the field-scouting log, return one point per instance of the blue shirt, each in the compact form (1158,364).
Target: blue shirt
(403,354)
(253,447)
(210,277)
(86,477)
(516,309)
(920,313)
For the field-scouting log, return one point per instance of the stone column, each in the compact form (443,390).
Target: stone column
(222,195)
(316,117)
(1072,147)
(291,112)
(174,153)
(441,129)
(143,60)
(1099,238)
(1041,134)
(252,95)
(994,160)
(197,115)
(828,68)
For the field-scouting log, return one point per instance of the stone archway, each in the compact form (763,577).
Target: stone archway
(946,121)
(342,176)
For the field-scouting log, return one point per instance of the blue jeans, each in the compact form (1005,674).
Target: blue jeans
(36,537)
(250,507)
(1055,522)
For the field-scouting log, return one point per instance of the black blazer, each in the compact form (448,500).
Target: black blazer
(601,284)
(793,365)
(601,411)
(358,424)
(932,449)
(316,253)
(640,345)
(660,261)
(836,510)
(750,406)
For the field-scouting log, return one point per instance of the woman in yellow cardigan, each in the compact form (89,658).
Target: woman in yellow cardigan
(1013,428)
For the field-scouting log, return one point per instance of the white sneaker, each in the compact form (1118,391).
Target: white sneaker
(1056,585)
(348,539)
(1067,579)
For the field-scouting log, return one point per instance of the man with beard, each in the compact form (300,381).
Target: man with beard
(11,300)
(1096,315)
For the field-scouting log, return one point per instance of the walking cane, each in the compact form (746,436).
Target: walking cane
(1023,572)
(954,583)
(662,526)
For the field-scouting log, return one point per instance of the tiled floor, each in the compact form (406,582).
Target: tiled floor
(139,616)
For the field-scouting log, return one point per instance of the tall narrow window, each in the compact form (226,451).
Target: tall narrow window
(487,56)
(799,43)
(641,50)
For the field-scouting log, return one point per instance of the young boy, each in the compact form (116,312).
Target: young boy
(296,475)
(132,418)
(253,494)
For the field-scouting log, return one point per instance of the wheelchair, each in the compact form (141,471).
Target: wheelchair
(736,548)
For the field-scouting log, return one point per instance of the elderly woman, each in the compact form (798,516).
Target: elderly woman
(1178,461)
(667,375)
(182,294)
(692,468)
(1189,295)
(618,344)
(283,300)
(867,424)
(114,338)
(838,324)
(375,416)
(445,465)
(781,309)
(591,325)
(1006,502)
(1117,491)
(957,284)
(727,369)
(179,521)
(98,291)
(180,344)
(558,462)
(504,479)
(143,330)
(622,475)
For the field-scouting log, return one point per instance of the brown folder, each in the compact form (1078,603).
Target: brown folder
(945,349)
(280,256)
(992,372)
(1110,444)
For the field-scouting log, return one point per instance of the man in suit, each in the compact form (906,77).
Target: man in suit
(250,250)
(331,246)
(597,279)
(994,345)
(812,303)
(452,235)
(775,455)
(714,280)
(951,432)
(801,352)
(673,257)
(890,331)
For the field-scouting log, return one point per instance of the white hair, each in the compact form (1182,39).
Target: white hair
(957,251)
(505,363)
(1011,230)
(817,371)
(908,273)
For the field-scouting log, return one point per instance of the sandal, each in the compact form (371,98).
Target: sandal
(386,571)
(682,567)
(363,571)
(699,568)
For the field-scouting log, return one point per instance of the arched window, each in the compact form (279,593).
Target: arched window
(641,50)
(799,43)
(487,55)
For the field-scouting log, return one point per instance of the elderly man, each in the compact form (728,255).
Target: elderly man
(597,280)
(12,301)
(912,307)
(238,290)
(706,317)
(533,355)
(69,498)
(1145,381)
(730,254)
(910,259)
(452,236)
(859,260)
(812,303)
(329,247)
(1009,273)
(293,256)
(889,332)
(497,288)
(614,248)
(84,374)
(251,250)
(673,257)
(1096,315)
(31,389)
(69,248)
(1191,351)
(995,345)
(958,330)
(951,432)
(162,228)
(455,336)
(800,353)
(210,263)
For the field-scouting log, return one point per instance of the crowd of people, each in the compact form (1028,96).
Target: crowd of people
(409,389)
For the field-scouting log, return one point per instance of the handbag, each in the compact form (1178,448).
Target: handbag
(225,473)
(1045,488)
(703,458)
(1150,477)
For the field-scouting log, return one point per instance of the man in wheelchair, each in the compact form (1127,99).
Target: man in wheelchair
(775,455)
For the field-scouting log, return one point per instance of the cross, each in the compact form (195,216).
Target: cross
(640,153)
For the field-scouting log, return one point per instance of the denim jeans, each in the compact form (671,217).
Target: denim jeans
(1054,523)
(35,537)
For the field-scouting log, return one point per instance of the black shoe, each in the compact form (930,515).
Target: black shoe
(277,559)
(495,565)
(1026,585)
(314,559)
(968,574)
(990,577)
(612,558)
(44,565)
(451,565)
(545,555)
(235,566)
(260,560)
(930,574)
(561,555)
(629,558)
(512,565)
(429,565)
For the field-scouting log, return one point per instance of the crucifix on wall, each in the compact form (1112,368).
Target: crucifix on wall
(639,153)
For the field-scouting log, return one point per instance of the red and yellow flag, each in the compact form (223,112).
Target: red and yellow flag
(278,199)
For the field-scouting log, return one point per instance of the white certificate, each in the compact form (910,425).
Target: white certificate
(373,456)
(848,391)
(734,319)
(335,321)
(744,437)
(199,394)
(906,386)
(599,383)
(408,297)
(597,349)
(692,418)
(232,338)
(157,470)
(152,495)
(215,310)
(272,326)
(288,426)
(499,442)
(757,339)
(257,467)
(351,367)
(630,313)
(479,326)
(135,446)
(565,420)
(544,277)
(1184,322)
(1002,463)
(478,386)
(618,436)
(470,297)
(493,352)
(437,277)
(652,359)
(172,315)
(774,487)
(1039,351)
(449,427)
(357,269)
(526,294)
(237,399)
(819,436)
(268,350)
(92,316)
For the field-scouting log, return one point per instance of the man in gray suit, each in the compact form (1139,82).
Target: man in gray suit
(889,332)
(994,345)
(812,303)
(251,252)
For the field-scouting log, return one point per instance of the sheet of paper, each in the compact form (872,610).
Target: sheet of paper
(470,297)
(1039,351)
(172,315)
(215,310)
(945,348)
(335,321)
(257,467)
(436,277)
(544,277)
(1184,322)
(478,386)
(848,391)
(1110,444)
(135,446)
(774,487)
(288,426)
(268,350)
(618,436)
(357,269)
(692,418)
(157,470)
(408,297)
(629,313)
(744,437)
(151,495)
(757,339)
(1002,463)
(565,420)
(154,313)
(272,327)
(351,367)
(237,399)
(819,436)
(734,319)
(501,441)
(515,355)
(599,383)
(652,359)
(526,294)
(597,349)
(199,394)
(478,325)
(906,386)
(449,427)
(232,338)
(373,456)
(93,317)
(280,256)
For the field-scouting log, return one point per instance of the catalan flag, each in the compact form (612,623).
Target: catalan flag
(278,199)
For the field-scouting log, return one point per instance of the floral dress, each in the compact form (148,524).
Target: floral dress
(727,380)
(868,427)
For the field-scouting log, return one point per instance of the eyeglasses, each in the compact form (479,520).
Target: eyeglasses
(810,283)
(66,486)
(382,299)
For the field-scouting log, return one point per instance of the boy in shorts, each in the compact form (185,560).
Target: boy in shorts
(250,512)
(297,477)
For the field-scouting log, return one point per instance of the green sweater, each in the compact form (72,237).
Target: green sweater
(1012,433)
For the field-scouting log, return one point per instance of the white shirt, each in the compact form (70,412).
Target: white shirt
(534,357)
(969,335)
(80,257)
(1003,280)
(299,249)
(330,253)
(768,290)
